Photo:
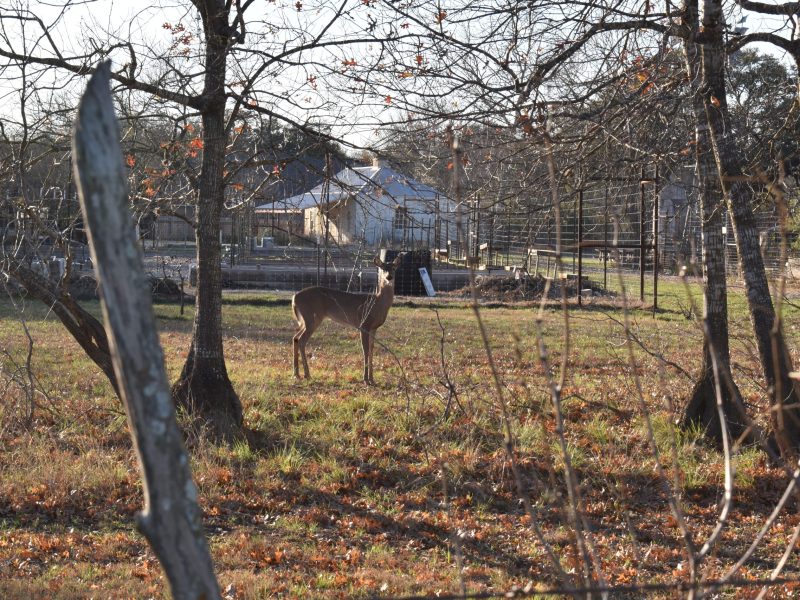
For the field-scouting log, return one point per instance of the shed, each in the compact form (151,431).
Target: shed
(374,204)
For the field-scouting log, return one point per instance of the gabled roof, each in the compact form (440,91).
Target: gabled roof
(365,183)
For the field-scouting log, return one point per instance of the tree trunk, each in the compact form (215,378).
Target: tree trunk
(772,350)
(171,517)
(203,387)
(702,407)
(82,325)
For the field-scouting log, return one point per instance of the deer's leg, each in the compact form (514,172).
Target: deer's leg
(296,351)
(367,344)
(371,349)
(299,341)
(365,350)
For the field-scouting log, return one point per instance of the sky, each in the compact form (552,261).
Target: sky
(169,29)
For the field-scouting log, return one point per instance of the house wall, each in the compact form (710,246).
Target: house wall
(342,223)
(415,228)
(373,220)
(380,224)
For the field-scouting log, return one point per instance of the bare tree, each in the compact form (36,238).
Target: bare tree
(702,406)
(739,191)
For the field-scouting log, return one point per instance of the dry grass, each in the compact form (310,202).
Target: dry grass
(338,490)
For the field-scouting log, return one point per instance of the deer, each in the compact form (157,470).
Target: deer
(364,312)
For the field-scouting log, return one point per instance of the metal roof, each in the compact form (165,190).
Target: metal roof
(367,183)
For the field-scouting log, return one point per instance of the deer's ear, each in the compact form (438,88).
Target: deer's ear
(377,262)
(396,262)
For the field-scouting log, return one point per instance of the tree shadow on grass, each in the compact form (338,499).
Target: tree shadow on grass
(344,513)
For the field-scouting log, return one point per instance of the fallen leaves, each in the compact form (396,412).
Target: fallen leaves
(365,506)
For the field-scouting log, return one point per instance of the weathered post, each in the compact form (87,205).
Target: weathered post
(171,517)
(605,238)
(580,247)
(655,242)
(641,236)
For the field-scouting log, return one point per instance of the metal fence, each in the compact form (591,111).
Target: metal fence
(618,223)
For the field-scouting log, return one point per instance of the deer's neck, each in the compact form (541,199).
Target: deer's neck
(384,295)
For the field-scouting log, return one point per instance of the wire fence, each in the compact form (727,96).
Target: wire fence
(642,225)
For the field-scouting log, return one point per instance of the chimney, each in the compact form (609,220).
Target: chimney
(378,162)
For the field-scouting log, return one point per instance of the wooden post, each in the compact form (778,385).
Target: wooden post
(477,251)
(655,242)
(326,197)
(437,223)
(641,237)
(491,235)
(605,239)
(171,517)
(508,236)
(574,237)
(580,246)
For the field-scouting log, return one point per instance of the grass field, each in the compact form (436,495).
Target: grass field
(340,490)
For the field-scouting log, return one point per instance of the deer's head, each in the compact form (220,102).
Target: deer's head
(386,270)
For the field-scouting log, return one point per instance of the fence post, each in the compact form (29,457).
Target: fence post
(437,223)
(641,236)
(605,238)
(490,247)
(580,246)
(655,241)
(508,236)
(574,237)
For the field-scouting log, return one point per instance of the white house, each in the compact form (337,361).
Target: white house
(375,204)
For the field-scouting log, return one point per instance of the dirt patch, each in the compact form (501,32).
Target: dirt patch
(167,290)
(509,289)
(84,287)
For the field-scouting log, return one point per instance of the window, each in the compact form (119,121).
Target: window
(401,218)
